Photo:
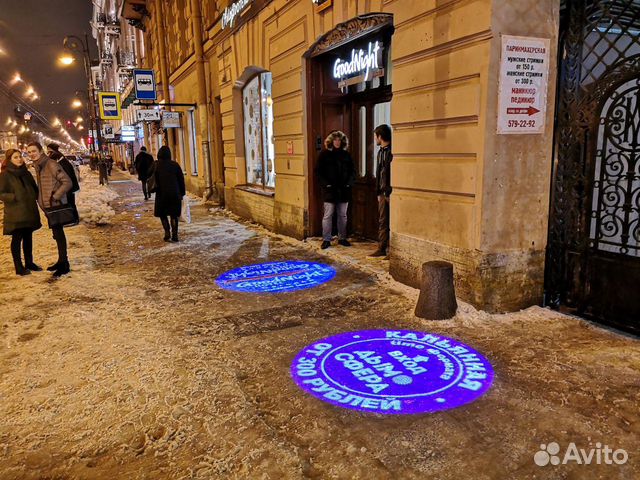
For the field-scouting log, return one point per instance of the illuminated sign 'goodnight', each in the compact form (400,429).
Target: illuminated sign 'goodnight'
(276,277)
(361,61)
(392,371)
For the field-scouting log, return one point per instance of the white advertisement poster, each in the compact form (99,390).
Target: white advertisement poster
(524,80)
(170,119)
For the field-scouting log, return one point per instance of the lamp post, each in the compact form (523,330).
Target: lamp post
(76,44)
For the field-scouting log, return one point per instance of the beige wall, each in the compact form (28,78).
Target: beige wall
(461,192)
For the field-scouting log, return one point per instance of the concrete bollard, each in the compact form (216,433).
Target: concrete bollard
(437,299)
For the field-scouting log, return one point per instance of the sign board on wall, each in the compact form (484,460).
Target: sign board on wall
(239,12)
(107,132)
(524,80)
(170,119)
(361,66)
(148,115)
(109,103)
(145,84)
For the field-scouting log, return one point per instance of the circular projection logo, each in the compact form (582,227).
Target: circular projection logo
(276,277)
(392,371)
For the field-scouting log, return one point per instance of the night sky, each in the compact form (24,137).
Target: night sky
(31,34)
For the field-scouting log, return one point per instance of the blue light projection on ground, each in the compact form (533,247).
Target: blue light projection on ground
(392,371)
(276,277)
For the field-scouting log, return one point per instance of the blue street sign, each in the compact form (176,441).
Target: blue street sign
(145,83)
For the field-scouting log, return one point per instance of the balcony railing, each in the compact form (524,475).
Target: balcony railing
(126,59)
(106,60)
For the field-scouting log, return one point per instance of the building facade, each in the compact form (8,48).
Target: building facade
(259,84)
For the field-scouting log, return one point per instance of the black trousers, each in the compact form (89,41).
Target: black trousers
(144,188)
(383,223)
(61,241)
(22,237)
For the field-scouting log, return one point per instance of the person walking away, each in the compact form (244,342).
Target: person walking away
(382,135)
(19,193)
(169,192)
(109,164)
(53,185)
(336,173)
(143,164)
(103,171)
(53,151)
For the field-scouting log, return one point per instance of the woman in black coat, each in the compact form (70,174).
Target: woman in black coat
(19,192)
(169,192)
(336,173)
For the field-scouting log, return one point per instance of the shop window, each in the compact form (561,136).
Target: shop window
(193,146)
(259,148)
(182,150)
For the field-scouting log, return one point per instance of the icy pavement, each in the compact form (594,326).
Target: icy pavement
(137,366)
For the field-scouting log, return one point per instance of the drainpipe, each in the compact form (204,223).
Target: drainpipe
(203,116)
(164,76)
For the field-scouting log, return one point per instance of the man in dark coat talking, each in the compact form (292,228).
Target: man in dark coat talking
(143,163)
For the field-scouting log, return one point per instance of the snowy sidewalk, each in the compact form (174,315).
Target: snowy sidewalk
(137,365)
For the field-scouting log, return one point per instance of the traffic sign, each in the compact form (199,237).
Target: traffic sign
(145,84)
(109,105)
(148,115)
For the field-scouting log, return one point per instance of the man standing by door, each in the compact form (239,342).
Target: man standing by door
(382,135)
(143,164)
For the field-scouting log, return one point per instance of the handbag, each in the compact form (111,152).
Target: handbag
(185,214)
(152,185)
(61,215)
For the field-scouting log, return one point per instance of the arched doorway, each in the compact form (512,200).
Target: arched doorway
(348,79)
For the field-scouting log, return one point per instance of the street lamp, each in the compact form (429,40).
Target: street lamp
(74,44)
(66,59)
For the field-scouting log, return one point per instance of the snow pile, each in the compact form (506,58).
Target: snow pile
(93,199)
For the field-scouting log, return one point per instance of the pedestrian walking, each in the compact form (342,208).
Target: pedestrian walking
(336,173)
(19,193)
(170,189)
(382,135)
(143,164)
(53,186)
(53,151)
(103,170)
(109,165)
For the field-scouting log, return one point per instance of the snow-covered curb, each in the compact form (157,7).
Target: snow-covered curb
(93,199)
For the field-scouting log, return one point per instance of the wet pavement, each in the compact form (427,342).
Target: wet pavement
(138,366)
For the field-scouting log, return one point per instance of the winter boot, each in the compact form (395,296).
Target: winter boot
(165,225)
(63,269)
(20,270)
(174,229)
(33,267)
(54,267)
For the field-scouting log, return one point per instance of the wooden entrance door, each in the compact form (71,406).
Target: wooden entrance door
(366,114)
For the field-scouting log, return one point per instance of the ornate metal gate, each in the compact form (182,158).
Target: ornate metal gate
(593,253)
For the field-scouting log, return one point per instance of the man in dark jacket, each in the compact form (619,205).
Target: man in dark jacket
(382,135)
(53,151)
(336,173)
(143,163)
